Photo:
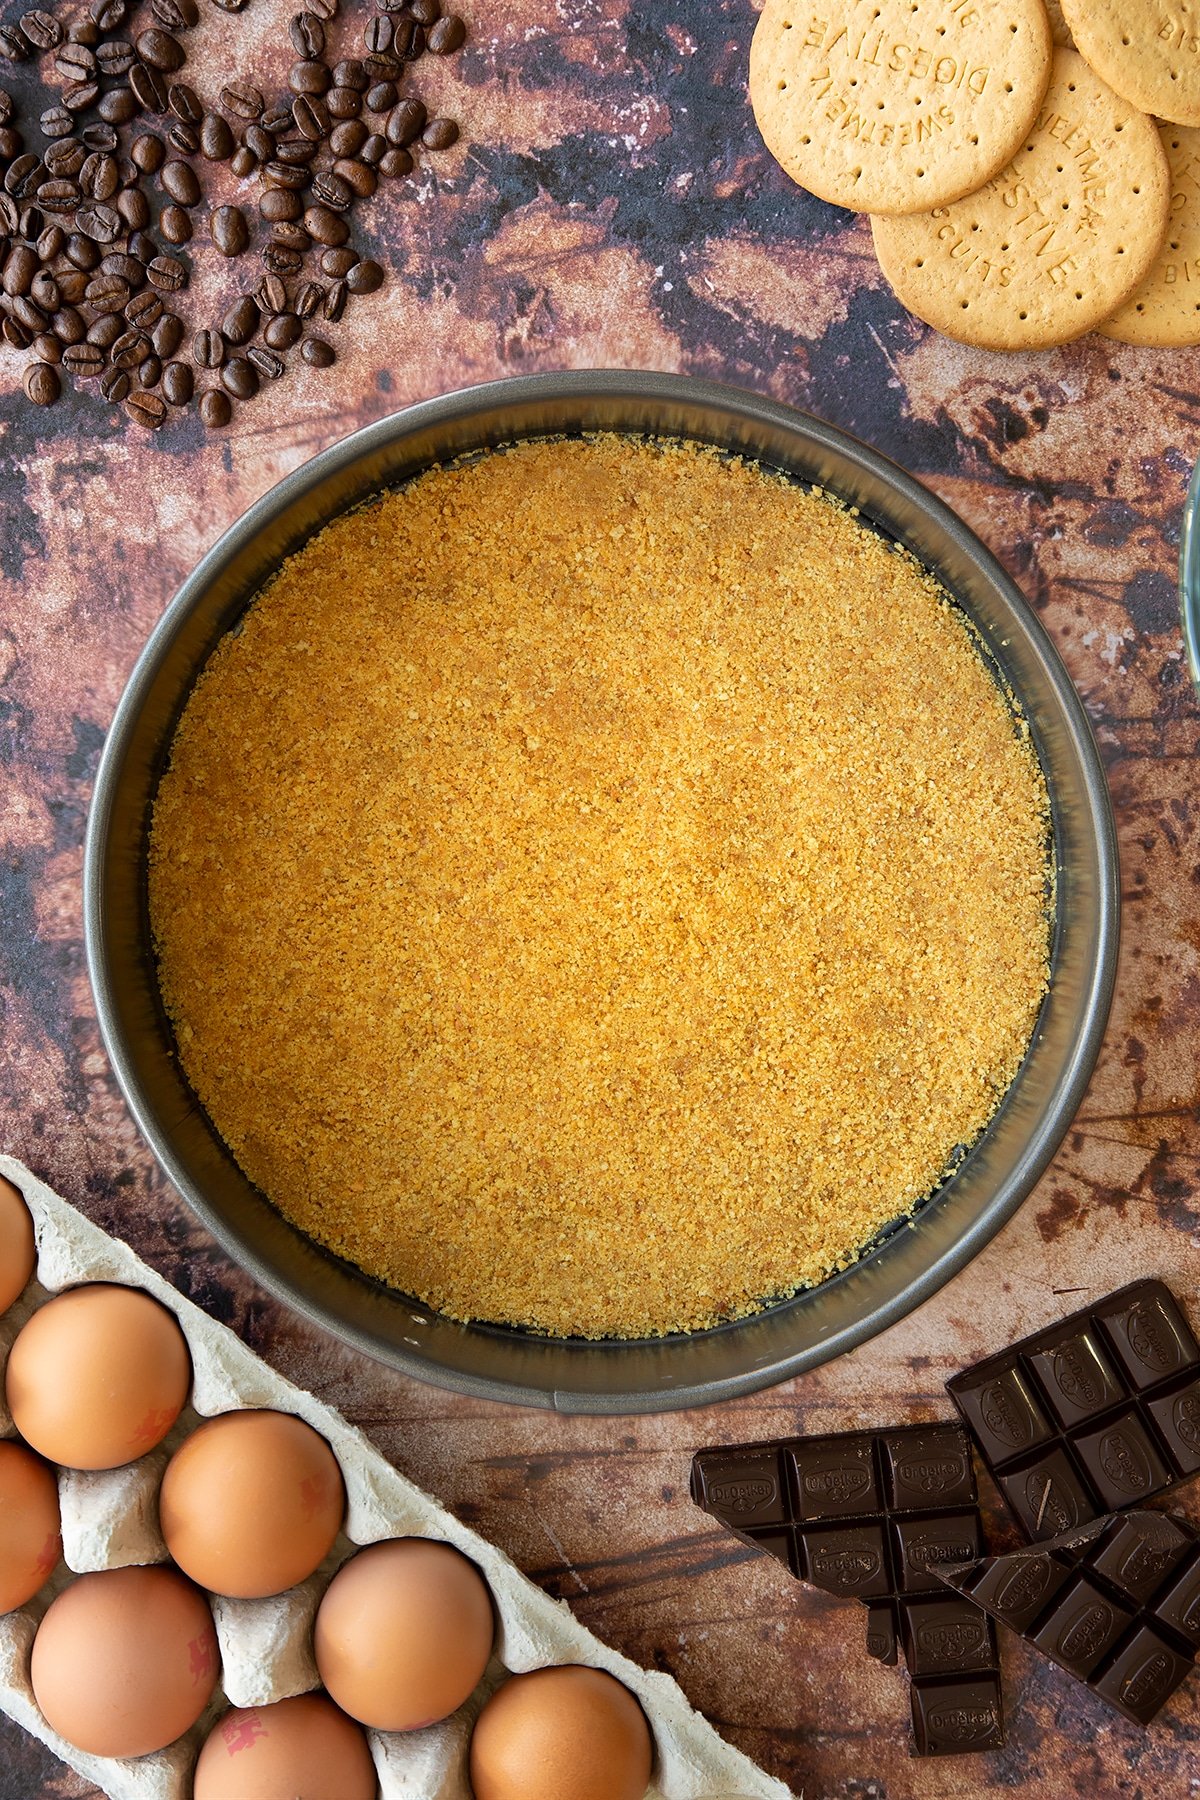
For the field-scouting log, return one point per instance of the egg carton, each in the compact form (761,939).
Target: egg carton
(110,1520)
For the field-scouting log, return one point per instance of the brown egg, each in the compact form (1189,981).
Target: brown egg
(98,1376)
(561,1734)
(30,1538)
(18,1253)
(295,1747)
(404,1633)
(125,1661)
(251,1502)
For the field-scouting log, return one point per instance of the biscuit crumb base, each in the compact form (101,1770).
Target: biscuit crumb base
(598,885)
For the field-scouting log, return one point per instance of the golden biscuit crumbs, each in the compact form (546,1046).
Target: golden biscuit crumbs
(598,886)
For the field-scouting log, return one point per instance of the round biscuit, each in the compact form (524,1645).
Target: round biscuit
(1147,50)
(1056,242)
(1165,309)
(894,106)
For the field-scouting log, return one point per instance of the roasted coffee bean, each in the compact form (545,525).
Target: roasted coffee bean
(130,349)
(81,95)
(6,107)
(337,263)
(347,137)
(160,50)
(358,178)
(242,99)
(271,294)
(99,222)
(285,175)
(228,229)
(183,139)
(30,314)
(144,311)
(57,122)
(178,383)
(309,77)
(308,298)
(167,335)
(71,285)
(365,277)
(19,174)
(307,34)
(382,97)
(11,143)
(425,12)
(83,361)
(270,365)
(167,273)
(310,115)
(116,57)
(10,215)
(406,34)
(445,36)
(351,73)
(406,124)
(282,331)
(297,152)
(215,409)
(175,15)
(108,293)
(75,62)
(58,196)
(277,118)
(14,45)
(48,348)
(20,267)
(44,291)
(240,378)
(134,208)
(146,409)
(15,334)
(114,385)
(50,243)
(184,102)
(208,349)
(334,303)
(241,321)
(175,224)
(83,30)
(178,179)
(42,29)
(379,34)
(98,176)
(130,268)
(243,163)
(66,157)
(439,134)
(395,162)
(31,222)
(260,141)
(42,385)
(277,204)
(150,90)
(104,332)
(216,139)
(374,149)
(280,259)
(230,6)
(290,235)
(82,252)
(109,15)
(149,371)
(317,353)
(325,227)
(147,153)
(118,107)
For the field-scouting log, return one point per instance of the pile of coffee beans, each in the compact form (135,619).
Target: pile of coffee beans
(96,209)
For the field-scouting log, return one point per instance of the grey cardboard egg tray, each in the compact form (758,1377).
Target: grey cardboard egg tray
(110,1520)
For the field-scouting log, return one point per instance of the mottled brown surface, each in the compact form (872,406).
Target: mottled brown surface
(613,206)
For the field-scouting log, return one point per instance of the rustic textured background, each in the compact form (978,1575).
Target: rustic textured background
(611,204)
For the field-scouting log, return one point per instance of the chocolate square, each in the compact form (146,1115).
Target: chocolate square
(882,1642)
(1150,1335)
(1177,1416)
(925,1543)
(1076,1376)
(849,1561)
(741,1488)
(952,1718)
(1138,1557)
(1003,1413)
(946,1637)
(929,1468)
(778,1544)
(833,1477)
(1179,1606)
(1143,1675)
(1048,1498)
(1016,1588)
(1082,1625)
(1122,1462)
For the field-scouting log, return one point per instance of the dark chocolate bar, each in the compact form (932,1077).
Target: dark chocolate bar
(1117,1604)
(872,1516)
(1094,1414)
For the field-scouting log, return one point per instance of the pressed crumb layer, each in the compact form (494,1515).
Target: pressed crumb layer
(598,886)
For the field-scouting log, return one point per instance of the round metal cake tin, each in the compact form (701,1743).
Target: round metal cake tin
(910,1261)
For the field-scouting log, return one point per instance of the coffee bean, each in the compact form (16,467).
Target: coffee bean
(114,385)
(146,409)
(149,88)
(240,378)
(271,294)
(379,34)
(229,231)
(338,262)
(144,311)
(11,143)
(167,335)
(277,118)
(268,364)
(160,50)
(310,116)
(116,57)
(66,157)
(282,331)
(307,34)
(374,149)
(75,62)
(216,139)
(317,353)
(20,267)
(58,196)
(183,139)
(358,178)
(208,349)
(108,294)
(30,222)
(405,37)
(30,314)
(109,15)
(297,152)
(230,6)
(285,175)
(351,73)
(83,361)
(130,349)
(130,269)
(50,244)
(149,371)
(348,137)
(81,252)
(118,107)
(42,385)
(47,348)
(175,15)
(406,123)
(365,277)
(83,30)
(325,227)
(57,122)
(260,141)
(80,96)
(143,246)
(71,286)
(147,153)
(309,296)
(215,409)
(309,77)
(439,134)
(325,10)
(184,102)
(6,107)
(334,304)
(383,68)
(175,224)
(134,208)
(243,163)
(44,291)
(178,179)
(99,222)
(103,333)
(382,97)
(14,45)
(10,215)
(167,273)
(22,176)
(42,29)
(242,99)
(280,259)
(445,36)
(277,204)
(177,383)
(241,321)
(425,12)
(394,163)
(98,176)
(15,334)
(289,235)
